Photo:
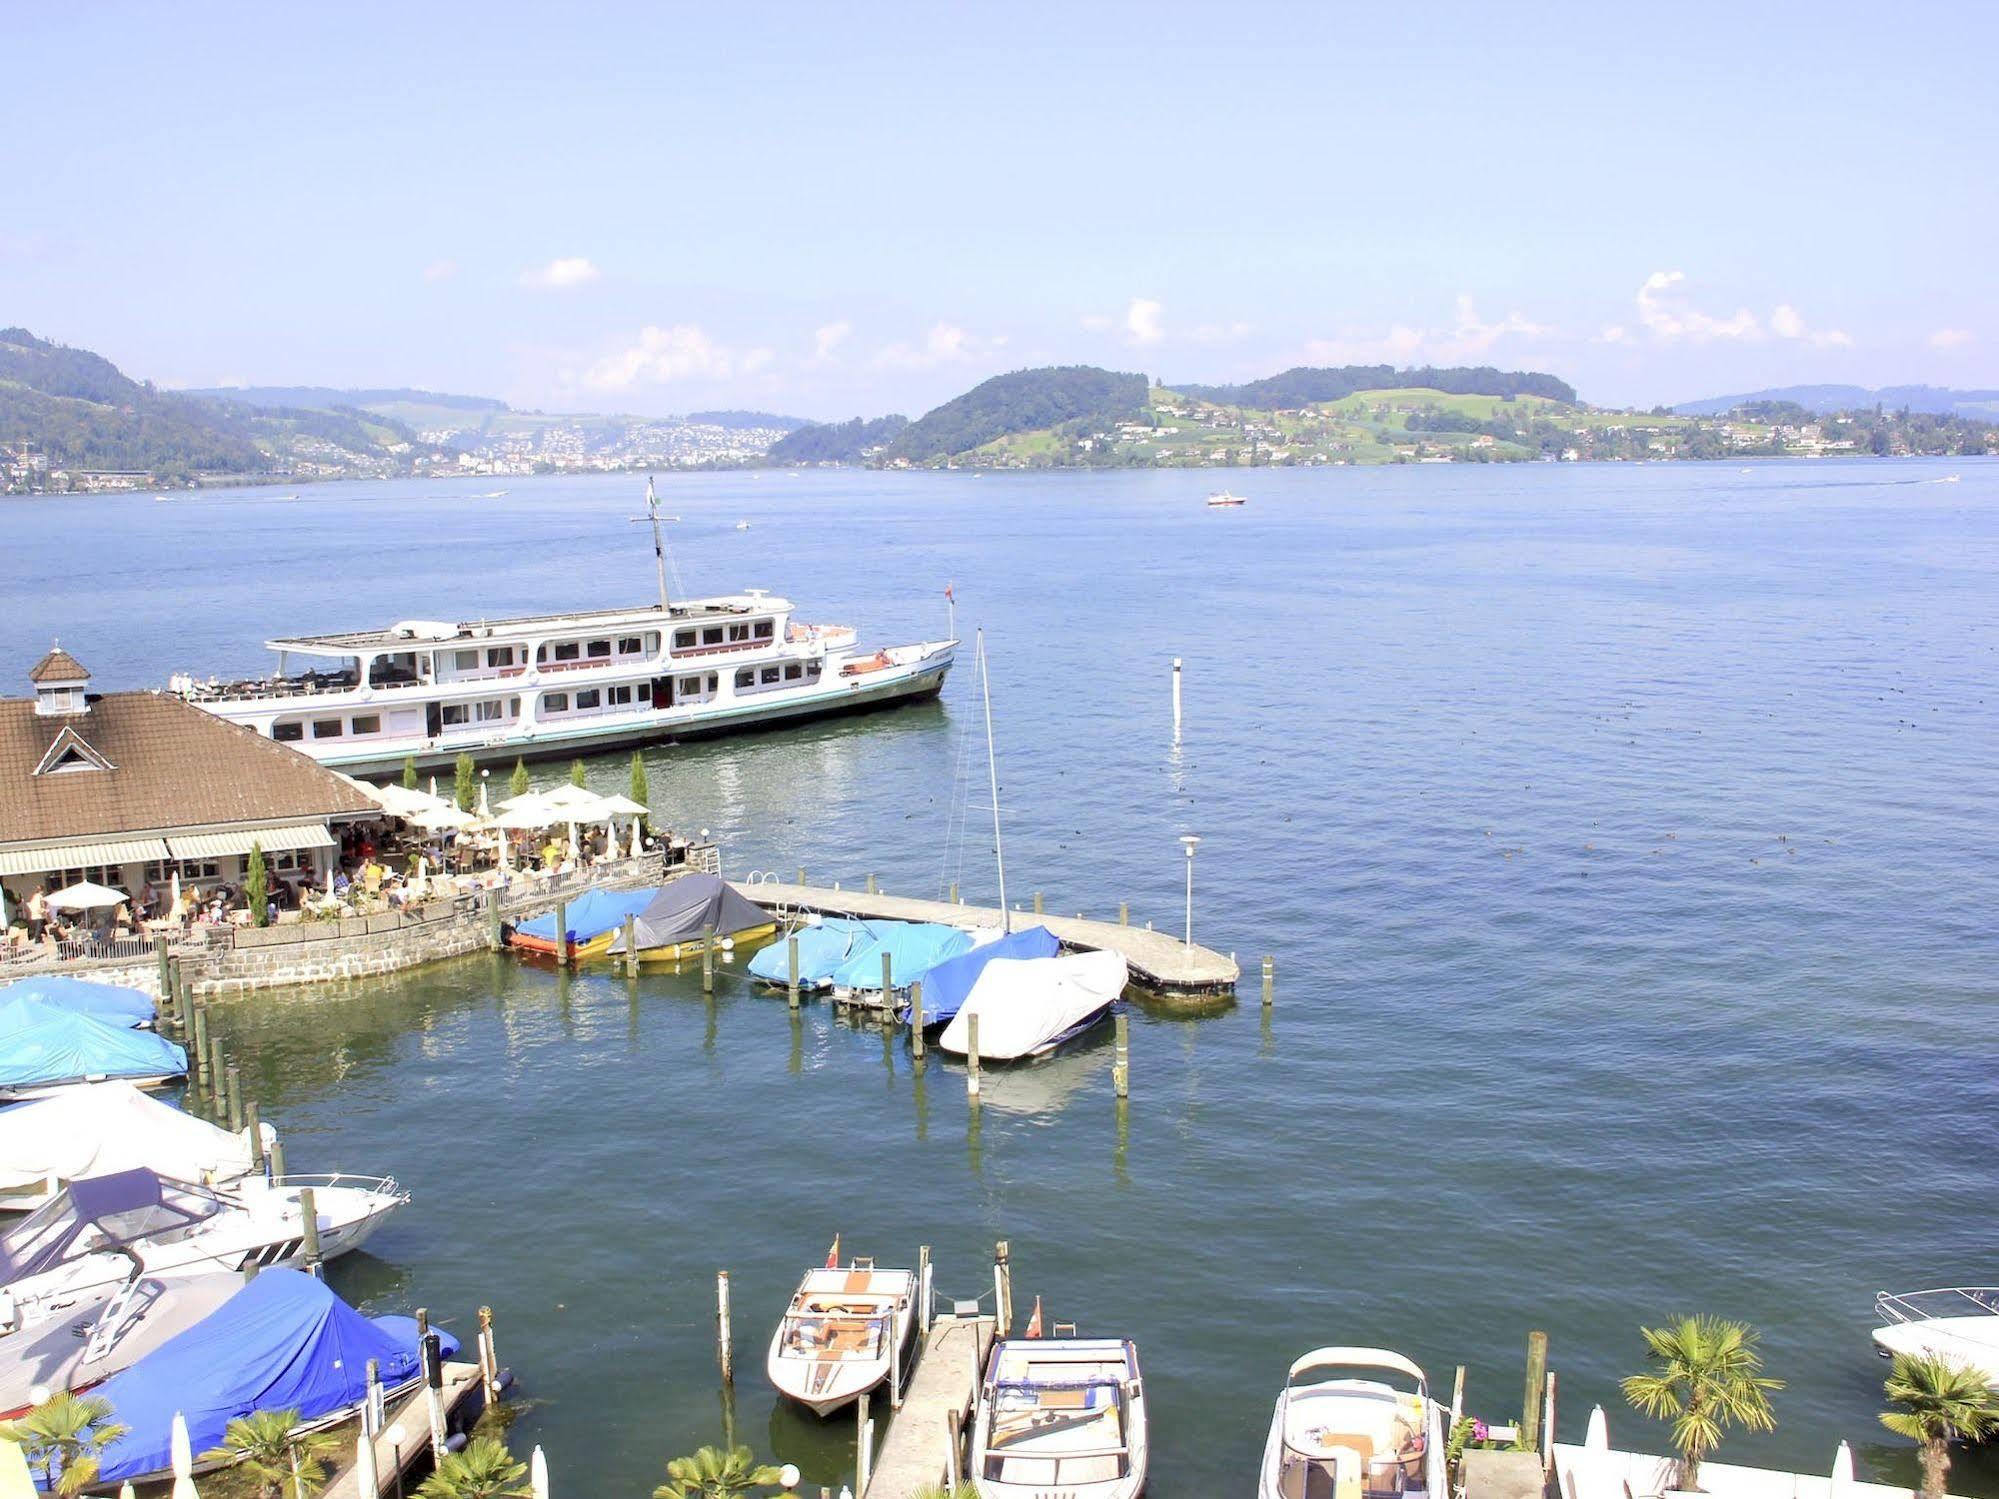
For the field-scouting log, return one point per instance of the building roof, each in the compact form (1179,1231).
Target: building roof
(58,666)
(174,766)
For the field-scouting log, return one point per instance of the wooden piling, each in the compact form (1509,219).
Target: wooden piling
(791,969)
(1037,903)
(916,1018)
(1003,1287)
(1124,913)
(1537,1378)
(631,946)
(1269,979)
(1548,1427)
(217,1076)
(494,937)
(489,1356)
(954,892)
(433,1393)
(183,996)
(200,1057)
(255,1126)
(871,884)
(234,1095)
(923,1289)
(308,1217)
(888,980)
(801,875)
(724,1345)
(278,1158)
(160,955)
(972,1056)
(562,934)
(1121,1063)
(1457,1398)
(952,1420)
(864,1444)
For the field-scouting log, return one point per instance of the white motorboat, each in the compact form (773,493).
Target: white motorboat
(1029,1006)
(846,1331)
(99,1233)
(94,1129)
(95,1336)
(1062,1415)
(1958,1323)
(1222,499)
(1354,1436)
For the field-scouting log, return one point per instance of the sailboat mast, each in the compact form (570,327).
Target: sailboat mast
(992,775)
(658,547)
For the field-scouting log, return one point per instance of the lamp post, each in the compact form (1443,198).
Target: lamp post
(1187,841)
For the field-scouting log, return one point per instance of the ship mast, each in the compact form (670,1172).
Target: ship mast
(658,547)
(992,774)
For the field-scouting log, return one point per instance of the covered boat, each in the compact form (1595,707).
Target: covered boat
(595,918)
(99,1128)
(946,985)
(91,1340)
(844,1333)
(284,1342)
(1060,1415)
(822,947)
(43,1049)
(1354,1435)
(913,949)
(114,1004)
(671,925)
(1959,1324)
(1027,1006)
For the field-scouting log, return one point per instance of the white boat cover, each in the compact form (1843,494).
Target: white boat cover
(98,1128)
(1023,1004)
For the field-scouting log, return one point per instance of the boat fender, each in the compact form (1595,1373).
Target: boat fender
(456,1442)
(728,944)
(504,1380)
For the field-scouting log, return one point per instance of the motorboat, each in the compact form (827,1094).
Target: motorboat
(114,1004)
(1027,1007)
(1222,499)
(97,1336)
(847,1331)
(1060,1415)
(592,922)
(946,985)
(284,1342)
(1958,1323)
(824,943)
(102,1231)
(688,913)
(44,1049)
(912,949)
(1353,1435)
(98,1128)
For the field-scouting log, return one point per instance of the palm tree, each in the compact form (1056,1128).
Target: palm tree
(484,1470)
(263,1445)
(63,1436)
(1941,1402)
(1705,1376)
(714,1474)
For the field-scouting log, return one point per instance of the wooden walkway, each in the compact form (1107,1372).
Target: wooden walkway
(917,1452)
(461,1383)
(1159,961)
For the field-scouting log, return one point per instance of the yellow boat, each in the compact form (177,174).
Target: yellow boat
(685,914)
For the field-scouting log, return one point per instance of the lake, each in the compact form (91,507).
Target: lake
(1623,835)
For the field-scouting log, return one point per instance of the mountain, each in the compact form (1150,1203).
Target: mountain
(1023,401)
(1307,387)
(747,421)
(837,442)
(325,398)
(1935,400)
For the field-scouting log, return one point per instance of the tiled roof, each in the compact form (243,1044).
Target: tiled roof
(176,767)
(58,666)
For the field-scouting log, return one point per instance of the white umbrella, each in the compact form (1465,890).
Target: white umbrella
(636,825)
(1842,1471)
(176,890)
(484,811)
(538,1474)
(183,1460)
(84,896)
(126,1491)
(15,1479)
(1596,1438)
(444,816)
(367,1478)
(578,802)
(622,806)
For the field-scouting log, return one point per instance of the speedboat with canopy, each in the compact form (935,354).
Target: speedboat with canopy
(94,1338)
(100,1232)
(1060,1415)
(1353,1435)
(284,1342)
(594,920)
(1029,1006)
(823,945)
(847,1330)
(946,985)
(681,916)
(114,1004)
(913,948)
(100,1128)
(1959,1324)
(44,1049)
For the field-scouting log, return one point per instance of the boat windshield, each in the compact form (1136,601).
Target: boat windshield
(96,1214)
(1058,1430)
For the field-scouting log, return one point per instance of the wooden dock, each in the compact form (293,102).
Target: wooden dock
(464,1399)
(917,1452)
(1159,961)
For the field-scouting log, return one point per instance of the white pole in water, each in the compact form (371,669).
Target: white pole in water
(1189,840)
(1176,697)
(658,548)
(992,775)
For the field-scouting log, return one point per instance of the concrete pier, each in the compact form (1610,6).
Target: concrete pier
(1159,961)
(917,1452)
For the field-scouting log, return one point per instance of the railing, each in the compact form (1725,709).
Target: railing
(382,1186)
(77,952)
(681,652)
(1938,1301)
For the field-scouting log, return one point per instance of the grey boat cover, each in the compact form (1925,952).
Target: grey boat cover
(685,906)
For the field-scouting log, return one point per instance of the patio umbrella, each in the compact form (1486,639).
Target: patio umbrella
(538,1474)
(443,816)
(15,1480)
(484,811)
(636,826)
(183,1460)
(367,1476)
(1596,1438)
(84,896)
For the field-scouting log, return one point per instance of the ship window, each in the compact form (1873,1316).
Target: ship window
(630,645)
(645,692)
(367,723)
(689,685)
(288,733)
(568,651)
(513,707)
(652,641)
(555,702)
(454,713)
(491,711)
(500,655)
(793,672)
(764,628)
(746,678)
(599,649)
(812,668)
(772,674)
(618,696)
(712,635)
(714,680)
(682,639)
(587,698)
(739,632)
(326,728)
(465,660)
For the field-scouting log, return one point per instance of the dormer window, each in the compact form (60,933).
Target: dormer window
(68,753)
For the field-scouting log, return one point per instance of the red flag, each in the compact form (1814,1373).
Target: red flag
(949,594)
(833,1254)
(1034,1321)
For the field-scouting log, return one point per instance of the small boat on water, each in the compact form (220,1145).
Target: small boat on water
(1029,1006)
(44,1050)
(114,1004)
(1957,1323)
(594,920)
(946,986)
(95,1337)
(912,948)
(100,1128)
(1222,499)
(846,1331)
(824,943)
(1060,1415)
(685,914)
(98,1233)
(1354,1436)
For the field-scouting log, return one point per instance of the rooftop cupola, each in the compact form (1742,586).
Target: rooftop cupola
(60,682)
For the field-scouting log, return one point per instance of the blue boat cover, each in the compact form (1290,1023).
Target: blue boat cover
(821,949)
(283,1342)
(946,985)
(913,947)
(41,1045)
(591,914)
(113,1003)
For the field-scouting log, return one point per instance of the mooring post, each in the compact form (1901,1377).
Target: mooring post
(235,1098)
(308,1218)
(160,954)
(277,1158)
(864,1457)
(871,884)
(1121,1064)
(791,969)
(956,1465)
(954,892)
(1269,979)
(888,981)
(708,958)
(255,1128)
(972,1056)
(894,1366)
(1537,1378)
(371,1407)
(183,995)
(1003,1288)
(489,1356)
(218,1085)
(923,1290)
(916,1018)
(1548,1427)
(1458,1398)
(631,947)
(433,1391)
(562,934)
(200,1048)
(1124,913)
(1037,903)
(724,1346)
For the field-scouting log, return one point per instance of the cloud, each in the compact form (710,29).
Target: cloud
(1469,336)
(1787,322)
(828,337)
(680,351)
(945,343)
(1951,338)
(440,270)
(1665,313)
(560,274)
(1145,321)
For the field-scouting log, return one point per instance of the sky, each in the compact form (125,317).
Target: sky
(841,210)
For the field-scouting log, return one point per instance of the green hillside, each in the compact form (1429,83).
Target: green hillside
(1023,401)
(1310,387)
(837,442)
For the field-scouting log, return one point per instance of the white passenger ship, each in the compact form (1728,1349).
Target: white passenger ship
(560,684)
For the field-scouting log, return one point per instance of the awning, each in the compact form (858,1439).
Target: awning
(82,855)
(238,841)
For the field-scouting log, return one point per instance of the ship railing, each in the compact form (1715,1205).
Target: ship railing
(1938,1301)
(385,1186)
